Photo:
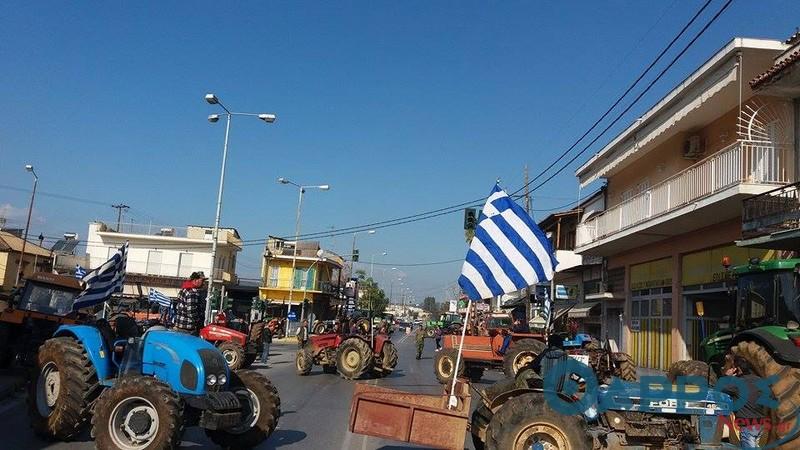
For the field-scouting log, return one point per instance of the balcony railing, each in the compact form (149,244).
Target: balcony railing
(752,162)
(771,212)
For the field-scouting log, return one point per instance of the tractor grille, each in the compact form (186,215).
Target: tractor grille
(213,363)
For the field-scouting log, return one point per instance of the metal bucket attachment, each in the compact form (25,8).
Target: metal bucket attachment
(422,419)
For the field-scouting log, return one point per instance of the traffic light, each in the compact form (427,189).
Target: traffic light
(355,255)
(470,218)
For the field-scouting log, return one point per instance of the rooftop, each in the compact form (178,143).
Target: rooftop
(10,242)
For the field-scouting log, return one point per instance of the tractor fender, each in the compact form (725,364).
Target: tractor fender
(218,333)
(497,402)
(95,347)
(783,350)
(380,339)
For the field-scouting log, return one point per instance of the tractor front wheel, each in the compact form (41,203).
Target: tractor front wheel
(304,361)
(522,353)
(444,365)
(261,410)
(61,391)
(525,421)
(138,412)
(233,353)
(785,389)
(353,358)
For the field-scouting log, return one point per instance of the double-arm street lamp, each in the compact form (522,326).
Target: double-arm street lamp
(29,168)
(302,188)
(214,118)
(353,252)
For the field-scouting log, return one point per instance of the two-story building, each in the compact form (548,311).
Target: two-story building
(315,280)
(675,180)
(36,259)
(162,257)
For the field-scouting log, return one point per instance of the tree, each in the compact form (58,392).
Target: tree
(429,304)
(370,294)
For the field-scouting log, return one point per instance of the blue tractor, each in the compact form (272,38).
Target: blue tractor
(139,390)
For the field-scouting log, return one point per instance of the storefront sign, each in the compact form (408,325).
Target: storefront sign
(636,325)
(652,274)
(706,266)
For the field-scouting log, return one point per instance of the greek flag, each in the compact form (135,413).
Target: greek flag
(80,272)
(158,297)
(103,281)
(508,253)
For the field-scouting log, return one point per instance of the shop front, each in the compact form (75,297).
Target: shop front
(650,322)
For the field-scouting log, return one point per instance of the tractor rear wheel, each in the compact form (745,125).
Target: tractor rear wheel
(527,420)
(480,420)
(304,361)
(444,365)
(62,390)
(691,368)
(262,408)
(624,367)
(521,354)
(786,390)
(388,360)
(249,359)
(353,358)
(138,412)
(233,353)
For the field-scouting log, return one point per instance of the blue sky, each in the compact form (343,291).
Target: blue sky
(401,107)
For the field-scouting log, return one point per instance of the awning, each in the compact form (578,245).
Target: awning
(582,311)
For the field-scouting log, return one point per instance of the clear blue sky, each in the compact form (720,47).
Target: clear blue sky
(401,107)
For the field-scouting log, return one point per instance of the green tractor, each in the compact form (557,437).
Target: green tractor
(445,322)
(765,332)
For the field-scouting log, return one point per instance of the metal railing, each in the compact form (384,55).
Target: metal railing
(770,212)
(752,162)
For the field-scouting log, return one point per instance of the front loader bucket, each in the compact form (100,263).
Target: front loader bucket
(422,419)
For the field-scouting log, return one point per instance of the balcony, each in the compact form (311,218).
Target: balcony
(772,219)
(706,193)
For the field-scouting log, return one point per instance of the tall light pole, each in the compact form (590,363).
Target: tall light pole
(372,262)
(322,187)
(214,118)
(353,252)
(29,168)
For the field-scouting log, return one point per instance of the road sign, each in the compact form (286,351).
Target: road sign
(292,315)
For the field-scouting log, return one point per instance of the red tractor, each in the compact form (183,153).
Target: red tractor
(350,355)
(239,349)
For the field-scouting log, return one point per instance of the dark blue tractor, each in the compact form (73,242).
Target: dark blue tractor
(140,391)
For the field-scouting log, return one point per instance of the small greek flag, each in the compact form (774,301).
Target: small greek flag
(103,281)
(508,253)
(80,272)
(158,297)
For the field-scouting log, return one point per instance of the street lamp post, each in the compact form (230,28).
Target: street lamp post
(353,252)
(29,168)
(372,262)
(214,118)
(322,187)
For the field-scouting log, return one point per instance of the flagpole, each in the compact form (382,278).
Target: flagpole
(453,402)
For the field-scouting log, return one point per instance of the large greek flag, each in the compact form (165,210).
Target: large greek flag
(103,281)
(156,296)
(508,253)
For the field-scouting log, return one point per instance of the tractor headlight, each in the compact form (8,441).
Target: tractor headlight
(211,380)
(222,379)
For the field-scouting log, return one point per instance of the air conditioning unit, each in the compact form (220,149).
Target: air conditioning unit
(693,148)
(167,232)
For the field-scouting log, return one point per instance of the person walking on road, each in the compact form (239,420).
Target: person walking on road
(190,306)
(420,337)
(302,334)
(267,341)
(437,334)
(751,412)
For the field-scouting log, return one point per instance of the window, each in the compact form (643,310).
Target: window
(154,262)
(273,276)
(655,307)
(185,261)
(635,309)
(645,305)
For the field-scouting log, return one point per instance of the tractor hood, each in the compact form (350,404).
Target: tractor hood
(183,361)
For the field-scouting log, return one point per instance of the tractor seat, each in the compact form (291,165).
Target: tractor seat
(106,332)
(127,327)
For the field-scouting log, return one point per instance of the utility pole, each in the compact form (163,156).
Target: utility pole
(119,207)
(527,192)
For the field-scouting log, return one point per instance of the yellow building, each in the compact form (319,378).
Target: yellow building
(37,259)
(316,277)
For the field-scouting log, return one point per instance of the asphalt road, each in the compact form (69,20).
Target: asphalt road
(315,408)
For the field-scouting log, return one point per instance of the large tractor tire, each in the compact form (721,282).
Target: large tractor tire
(525,420)
(444,365)
(138,412)
(262,408)
(62,390)
(249,359)
(388,360)
(318,328)
(520,354)
(480,421)
(233,353)
(786,390)
(353,358)
(624,367)
(693,368)
(304,361)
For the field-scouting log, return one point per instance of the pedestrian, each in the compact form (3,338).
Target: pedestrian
(302,334)
(437,334)
(420,337)
(752,413)
(189,307)
(267,341)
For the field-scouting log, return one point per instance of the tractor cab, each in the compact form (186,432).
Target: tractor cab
(768,293)
(49,293)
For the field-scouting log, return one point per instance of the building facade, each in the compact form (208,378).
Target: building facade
(162,257)
(314,283)
(675,181)
(36,259)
